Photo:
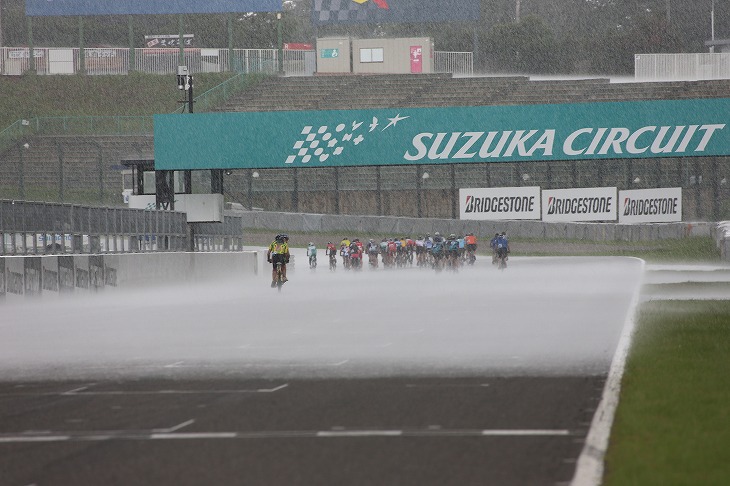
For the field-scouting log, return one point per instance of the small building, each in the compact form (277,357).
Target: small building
(719,45)
(410,55)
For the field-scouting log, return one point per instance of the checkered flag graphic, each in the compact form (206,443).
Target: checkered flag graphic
(342,10)
(318,144)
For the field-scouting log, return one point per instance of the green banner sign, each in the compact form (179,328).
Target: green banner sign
(330,53)
(394,136)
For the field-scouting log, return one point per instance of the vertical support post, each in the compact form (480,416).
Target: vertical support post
(280,43)
(216,181)
(419,172)
(21,174)
(454,194)
(295,192)
(181,37)
(100,159)
(131,43)
(715,189)
(229,20)
(82,54)
(60,172)
(379,193)
(337,190)
(31,54)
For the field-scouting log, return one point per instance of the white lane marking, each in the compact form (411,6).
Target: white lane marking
(528,432)
(157,434)
(272,390)
(447,385)
(75,390)
(359,433)
(195,436)
(176,364)
(174,428)
(589,471)
(167,392)
(44,438)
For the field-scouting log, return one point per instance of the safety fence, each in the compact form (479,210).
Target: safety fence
(37,228)
(456,63)
(681,67)
(16,61)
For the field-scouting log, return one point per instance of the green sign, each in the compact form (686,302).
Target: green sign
(394,136)
(330,53)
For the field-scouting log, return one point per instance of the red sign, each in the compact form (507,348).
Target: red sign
(295,46)
(416,59)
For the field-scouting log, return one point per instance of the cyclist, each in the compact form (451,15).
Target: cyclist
(502,246)
(437,250)
(331,252)
(493,246)
(373,250)
(312,254)
(471,246)
(278,253)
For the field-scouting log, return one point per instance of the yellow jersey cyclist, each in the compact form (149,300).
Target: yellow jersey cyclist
(278,253)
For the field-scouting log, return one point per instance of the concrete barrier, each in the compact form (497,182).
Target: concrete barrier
(402,226)
(56,275)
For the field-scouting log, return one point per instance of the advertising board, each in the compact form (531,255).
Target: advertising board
(584,204)
(54,8)
(663,205)
(499,203)
(412,136)
(406,11)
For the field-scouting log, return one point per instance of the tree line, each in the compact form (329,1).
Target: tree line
(512,36)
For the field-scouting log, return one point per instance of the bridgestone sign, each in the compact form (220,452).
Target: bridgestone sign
(591,204)
(500,203)
(662,205)
(651,205)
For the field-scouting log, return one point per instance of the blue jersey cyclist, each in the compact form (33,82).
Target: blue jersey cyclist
(278,253)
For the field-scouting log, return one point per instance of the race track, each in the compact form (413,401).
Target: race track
(372,377)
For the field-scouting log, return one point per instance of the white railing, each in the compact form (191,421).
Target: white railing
(15,61)
(457,63)
(681,67)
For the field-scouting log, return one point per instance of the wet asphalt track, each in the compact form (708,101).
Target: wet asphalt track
(404,377)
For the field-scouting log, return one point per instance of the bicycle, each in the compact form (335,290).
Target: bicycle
(333,262)
(279,276)
(313,261)
(501,259)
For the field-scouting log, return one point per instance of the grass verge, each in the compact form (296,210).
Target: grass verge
(671,423)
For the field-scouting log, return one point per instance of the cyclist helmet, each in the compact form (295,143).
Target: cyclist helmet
(437,234)
(452,236)
(281,237)
(311,244)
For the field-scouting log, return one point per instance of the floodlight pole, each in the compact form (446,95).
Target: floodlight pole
(280,43)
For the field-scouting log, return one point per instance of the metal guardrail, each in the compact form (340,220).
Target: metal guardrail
(38,228)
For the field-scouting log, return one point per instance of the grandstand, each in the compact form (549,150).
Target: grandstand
(66,164)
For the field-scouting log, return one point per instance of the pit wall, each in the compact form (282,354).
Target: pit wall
(402,226)
(57,275)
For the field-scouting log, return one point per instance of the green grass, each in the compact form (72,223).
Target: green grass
(29,96)
(671,426)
